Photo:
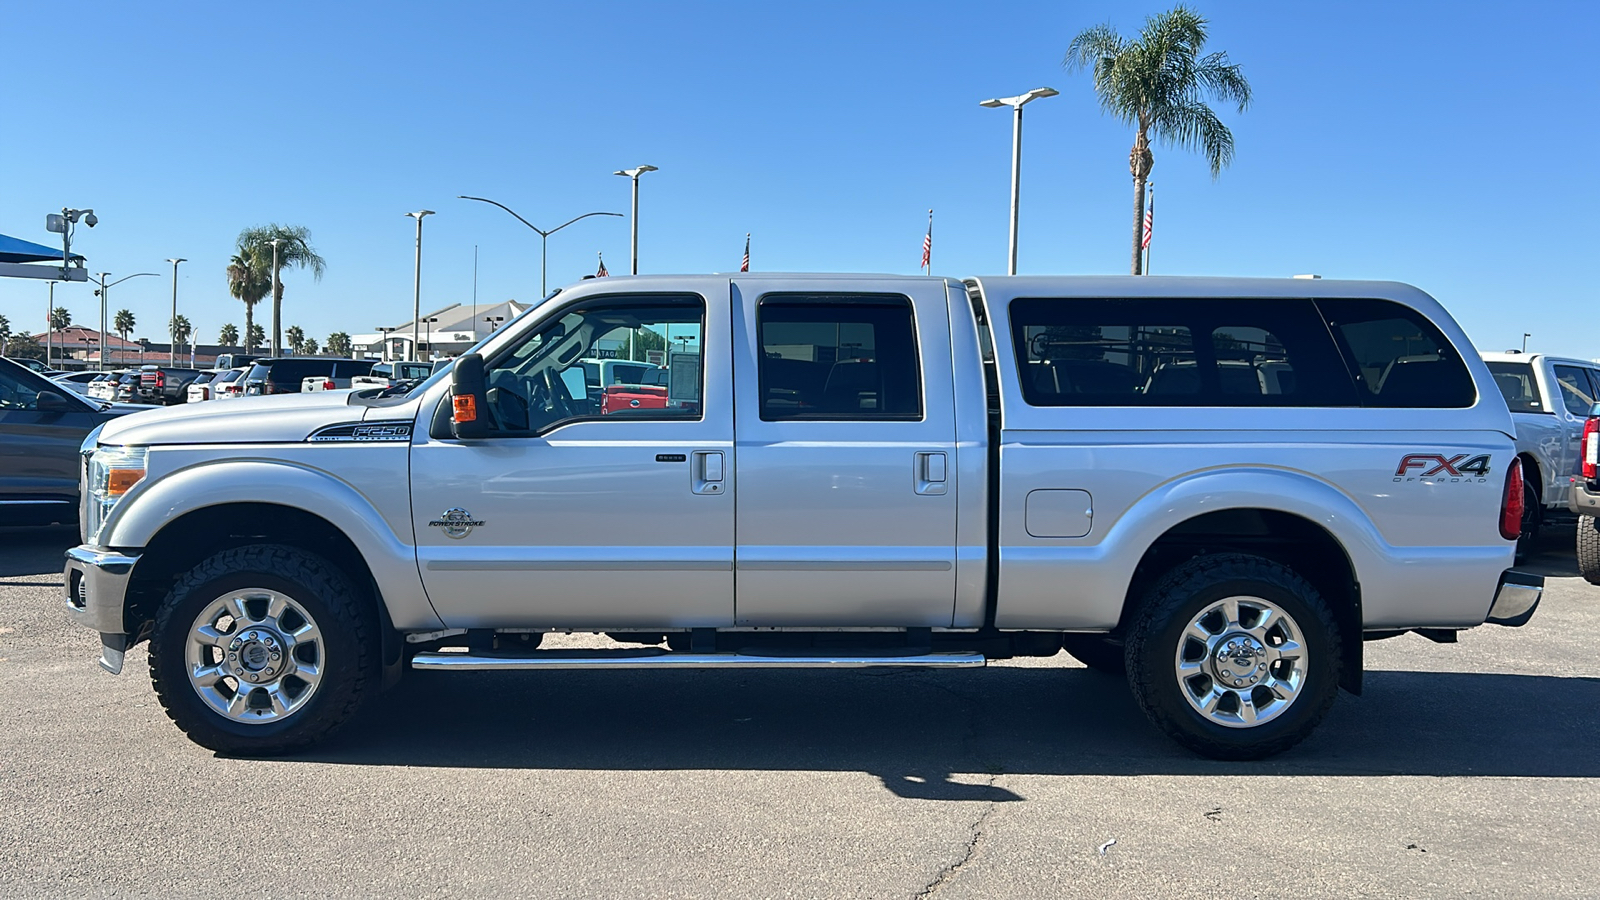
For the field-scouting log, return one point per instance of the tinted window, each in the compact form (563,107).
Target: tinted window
(1516,384)
(1577,394)
(349,368)
(1162,352)
(1399,358)
(838,357)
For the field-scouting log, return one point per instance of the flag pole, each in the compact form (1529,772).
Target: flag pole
(1150,217)
(929,255)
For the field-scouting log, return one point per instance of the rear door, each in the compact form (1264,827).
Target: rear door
(845,435)
(1577,397)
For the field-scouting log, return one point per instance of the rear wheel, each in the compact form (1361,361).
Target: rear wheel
(1532,514)
(1234,656)
(262,650)
(1589,549)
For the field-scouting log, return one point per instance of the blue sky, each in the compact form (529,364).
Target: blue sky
(1448,145)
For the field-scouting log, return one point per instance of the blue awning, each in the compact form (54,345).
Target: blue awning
(17,250)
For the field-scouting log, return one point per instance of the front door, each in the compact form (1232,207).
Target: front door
(846,435)
(41,428)
(572,514)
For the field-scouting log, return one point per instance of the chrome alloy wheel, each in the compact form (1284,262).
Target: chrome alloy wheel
(1240,662)
(254,656)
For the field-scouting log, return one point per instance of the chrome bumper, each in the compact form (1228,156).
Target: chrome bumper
(1582,500)
(1516,598)
(95,582)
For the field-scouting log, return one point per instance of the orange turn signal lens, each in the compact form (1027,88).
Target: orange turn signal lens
(466,407)
(120,481)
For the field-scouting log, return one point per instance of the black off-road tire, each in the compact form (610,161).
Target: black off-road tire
(342,614)
(1153,641)
(1589,549)
(1096,652)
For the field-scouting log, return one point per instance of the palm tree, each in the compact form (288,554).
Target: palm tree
(249,283)
(297,338)
(1159,84)
(338,344)
(124,323)
(181,329)
(311,346)
(294,251)
(60,318)
(258,336)
(228,336)
(5,334)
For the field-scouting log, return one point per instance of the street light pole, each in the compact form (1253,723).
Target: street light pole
(633,243)
(49,324)
(543,235)
(172,325)
(1016,103)
(416,283)
(277,332)
(104,290)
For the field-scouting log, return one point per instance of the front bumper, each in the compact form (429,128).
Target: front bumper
(1582,499)
(1516,598)
(95,582)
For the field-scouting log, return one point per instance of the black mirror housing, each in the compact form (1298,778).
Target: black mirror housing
(469,398)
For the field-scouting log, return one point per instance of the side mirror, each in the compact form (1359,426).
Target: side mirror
(468,399)
(51,402)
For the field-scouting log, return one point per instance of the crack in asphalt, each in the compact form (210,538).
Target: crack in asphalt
(976,834)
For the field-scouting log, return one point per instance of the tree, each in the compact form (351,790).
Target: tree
(123,322)
(181,329)
(60,319)
(294,251)
(228,336)
(311,346)
(297,339)
(643,339)
(338,344)
(5,334)
(23,346)
(258,336)
(249,281)
(1159,83)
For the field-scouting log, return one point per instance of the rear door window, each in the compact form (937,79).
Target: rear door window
(1516,383)
(1399,358)
(838,357)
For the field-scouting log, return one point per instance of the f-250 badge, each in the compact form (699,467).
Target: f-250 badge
(1434,467)
(456,522)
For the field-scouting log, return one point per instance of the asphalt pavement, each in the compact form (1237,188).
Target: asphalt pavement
(1468,769)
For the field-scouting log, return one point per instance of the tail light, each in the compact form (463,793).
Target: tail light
(1591,447)
(1511,503)
(327,384)
(161,379)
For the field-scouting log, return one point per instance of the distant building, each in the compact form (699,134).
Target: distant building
(441,334)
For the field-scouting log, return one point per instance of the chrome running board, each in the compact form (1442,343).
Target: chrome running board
(652,658)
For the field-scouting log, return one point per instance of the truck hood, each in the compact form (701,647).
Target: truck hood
(247,420)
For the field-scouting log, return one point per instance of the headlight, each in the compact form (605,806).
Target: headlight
(112,472)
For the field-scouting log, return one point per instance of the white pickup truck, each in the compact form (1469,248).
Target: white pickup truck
(1219,487)
(385,374)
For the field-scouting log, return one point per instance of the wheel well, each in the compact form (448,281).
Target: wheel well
(195,536)
(1531,474)
(1292,540)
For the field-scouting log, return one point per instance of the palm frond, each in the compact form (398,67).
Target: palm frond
(1223,80)
(1194,126)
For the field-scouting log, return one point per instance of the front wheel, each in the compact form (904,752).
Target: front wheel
(1234,656)
(262,650)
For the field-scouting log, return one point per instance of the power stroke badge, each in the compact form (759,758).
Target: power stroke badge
(456,522)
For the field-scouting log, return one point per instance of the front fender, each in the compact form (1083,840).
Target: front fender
(153,505)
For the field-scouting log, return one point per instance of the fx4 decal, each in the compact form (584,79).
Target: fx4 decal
(1432,466)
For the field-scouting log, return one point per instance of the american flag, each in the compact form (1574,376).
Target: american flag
(601,272)
(745,266)
(1149,220)
(927,243)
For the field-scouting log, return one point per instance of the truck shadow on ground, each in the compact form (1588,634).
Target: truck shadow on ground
(915,730)
(1553,552)
(35,549)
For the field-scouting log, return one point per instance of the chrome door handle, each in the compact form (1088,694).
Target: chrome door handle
(931,473)
(707,472)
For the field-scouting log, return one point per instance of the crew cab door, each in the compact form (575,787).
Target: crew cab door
(845,435)
(569,515)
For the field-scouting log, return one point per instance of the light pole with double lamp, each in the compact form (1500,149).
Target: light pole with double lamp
(104,288)
(1016,103)
(633,243)
(544,236)
(172,324)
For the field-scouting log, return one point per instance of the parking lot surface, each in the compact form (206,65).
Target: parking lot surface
(1470,769)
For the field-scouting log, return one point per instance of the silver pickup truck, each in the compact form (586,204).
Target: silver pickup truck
(1217,487)
(1549,398)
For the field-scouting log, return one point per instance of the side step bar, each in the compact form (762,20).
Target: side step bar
(652,658)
